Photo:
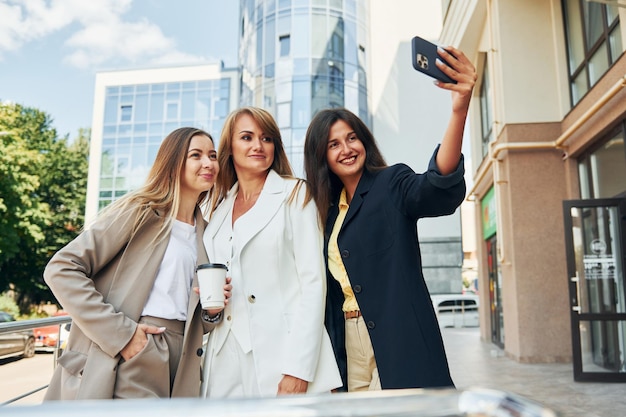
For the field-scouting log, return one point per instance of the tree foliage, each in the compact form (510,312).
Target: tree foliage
(43,183)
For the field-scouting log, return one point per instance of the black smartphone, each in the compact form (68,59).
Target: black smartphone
(424,56)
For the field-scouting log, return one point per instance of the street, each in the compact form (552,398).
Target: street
(19,376)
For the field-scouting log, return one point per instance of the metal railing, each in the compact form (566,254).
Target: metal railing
(16,326)
(13,326)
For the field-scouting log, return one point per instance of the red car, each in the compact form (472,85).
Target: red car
(47,338)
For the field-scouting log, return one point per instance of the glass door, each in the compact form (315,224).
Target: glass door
(495,292)
(595,243)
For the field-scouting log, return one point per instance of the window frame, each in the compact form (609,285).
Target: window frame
(485,99)
(589,51)
(586,185)
(284,39)
(126,113)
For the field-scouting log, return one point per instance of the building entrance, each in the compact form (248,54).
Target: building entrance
(595,241)
(495,292)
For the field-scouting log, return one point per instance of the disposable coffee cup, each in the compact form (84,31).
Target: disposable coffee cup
(211,279)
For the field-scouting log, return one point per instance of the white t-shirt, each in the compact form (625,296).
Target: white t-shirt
(169,297)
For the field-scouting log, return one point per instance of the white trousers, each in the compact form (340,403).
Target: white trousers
(230,373)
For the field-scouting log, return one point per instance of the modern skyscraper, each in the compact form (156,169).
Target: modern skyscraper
(134,110)
(300,56)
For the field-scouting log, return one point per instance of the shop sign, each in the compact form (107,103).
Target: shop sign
(488,211)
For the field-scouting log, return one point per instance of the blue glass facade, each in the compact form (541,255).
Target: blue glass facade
(137,117)
(295,58)
(300,56)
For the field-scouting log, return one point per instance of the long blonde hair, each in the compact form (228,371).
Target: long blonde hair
(161,191)
(228,176)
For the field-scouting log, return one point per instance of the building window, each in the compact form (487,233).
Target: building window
(335,45)
(285,45)
(126,113)
(592,34)
(602,170)
(486,111)
(335,79)
(171,110)
(283,115)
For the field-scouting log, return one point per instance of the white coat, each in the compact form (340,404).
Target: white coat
(278,268)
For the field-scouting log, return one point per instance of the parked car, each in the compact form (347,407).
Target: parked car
(456,310)
(48,338)
(14,344)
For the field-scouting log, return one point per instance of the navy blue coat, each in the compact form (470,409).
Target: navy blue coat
(380,250)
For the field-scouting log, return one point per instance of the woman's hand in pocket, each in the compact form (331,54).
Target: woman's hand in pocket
(139,340)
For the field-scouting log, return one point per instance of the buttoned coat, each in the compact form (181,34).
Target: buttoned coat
(279,268)
(103,279)
(379,247)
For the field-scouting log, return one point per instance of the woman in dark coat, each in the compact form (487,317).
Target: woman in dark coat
(379,313)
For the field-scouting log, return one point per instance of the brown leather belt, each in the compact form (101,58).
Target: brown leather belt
(352,314)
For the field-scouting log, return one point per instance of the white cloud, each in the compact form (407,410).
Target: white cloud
(103,36)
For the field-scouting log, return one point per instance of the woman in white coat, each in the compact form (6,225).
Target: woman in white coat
(271,338)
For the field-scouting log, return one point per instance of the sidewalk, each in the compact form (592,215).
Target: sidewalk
(474,363)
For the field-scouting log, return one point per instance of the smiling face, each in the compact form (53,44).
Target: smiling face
(345,153)
(252,150)
(201,167)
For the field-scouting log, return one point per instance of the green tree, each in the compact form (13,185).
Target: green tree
(42,198)
(22,214)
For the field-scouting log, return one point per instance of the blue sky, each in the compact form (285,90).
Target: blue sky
(50,50)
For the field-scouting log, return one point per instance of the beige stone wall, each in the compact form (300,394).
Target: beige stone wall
(536,305)
(530,187)
(523,43)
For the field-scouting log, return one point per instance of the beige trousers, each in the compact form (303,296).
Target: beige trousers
(362,369)
(151,372)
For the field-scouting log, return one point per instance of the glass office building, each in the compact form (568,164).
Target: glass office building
(300,56)
(295,58)
(134,111)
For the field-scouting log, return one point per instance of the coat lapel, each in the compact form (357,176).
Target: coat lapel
(218,217)
(130,295)
(365,183)
(268,203)
(194,298)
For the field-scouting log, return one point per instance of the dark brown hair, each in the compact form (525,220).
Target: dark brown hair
(324,185)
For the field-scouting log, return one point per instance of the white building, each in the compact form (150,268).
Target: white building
(135,109)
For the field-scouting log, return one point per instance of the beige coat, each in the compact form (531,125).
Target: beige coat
(103,279)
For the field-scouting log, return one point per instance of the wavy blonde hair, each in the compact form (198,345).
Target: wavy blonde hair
(161,191)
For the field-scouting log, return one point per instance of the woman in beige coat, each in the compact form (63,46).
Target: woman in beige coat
(127,283)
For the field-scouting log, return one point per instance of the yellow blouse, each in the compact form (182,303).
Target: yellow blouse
(335,263)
